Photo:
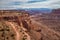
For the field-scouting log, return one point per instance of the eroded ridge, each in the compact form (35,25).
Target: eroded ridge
(17,25)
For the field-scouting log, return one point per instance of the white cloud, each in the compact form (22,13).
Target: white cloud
(53,4)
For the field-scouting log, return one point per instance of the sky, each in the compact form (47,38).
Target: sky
(22,4)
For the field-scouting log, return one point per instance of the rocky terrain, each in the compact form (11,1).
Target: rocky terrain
(48,24)
(19,25)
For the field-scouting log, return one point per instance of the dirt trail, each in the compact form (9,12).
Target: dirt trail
(18,34)
(14,28)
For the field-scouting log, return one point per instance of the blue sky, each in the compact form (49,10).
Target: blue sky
(17,4)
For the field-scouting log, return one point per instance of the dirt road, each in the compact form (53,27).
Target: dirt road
(19,35)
